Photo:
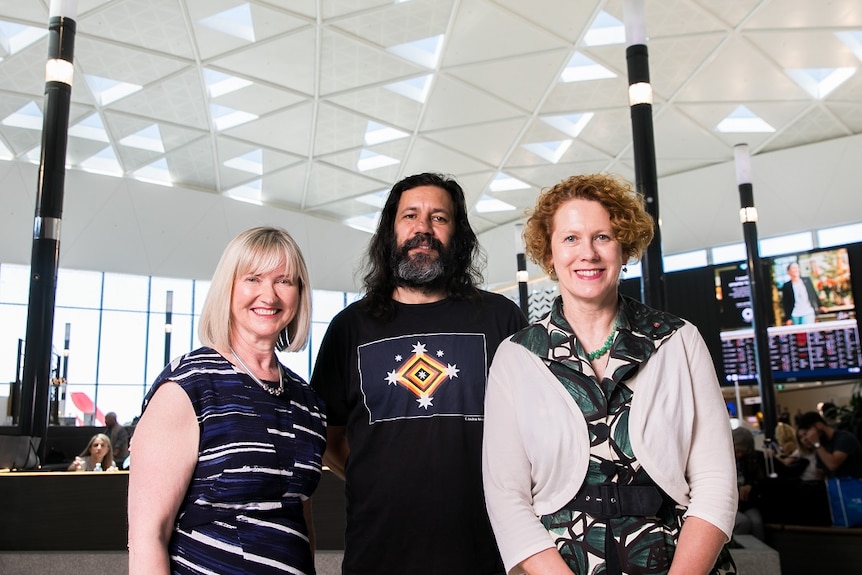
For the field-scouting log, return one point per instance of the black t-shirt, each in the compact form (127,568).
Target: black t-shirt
(411,393)
(848,443)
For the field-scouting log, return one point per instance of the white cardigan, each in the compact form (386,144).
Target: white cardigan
(536,446)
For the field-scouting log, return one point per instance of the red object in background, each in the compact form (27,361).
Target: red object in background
(85,405)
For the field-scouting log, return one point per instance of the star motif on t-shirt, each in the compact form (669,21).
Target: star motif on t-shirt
(440,353)
(425,401)
(419,348)
(398,358)
(392,377)
(452,370)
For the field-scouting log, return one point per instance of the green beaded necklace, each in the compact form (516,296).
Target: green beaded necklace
(594,355)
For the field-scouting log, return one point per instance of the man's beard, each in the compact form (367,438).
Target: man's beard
(422,270)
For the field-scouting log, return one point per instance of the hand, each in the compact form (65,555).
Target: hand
(812,436)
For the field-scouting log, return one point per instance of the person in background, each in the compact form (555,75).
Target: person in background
(119,437)
(839,453)
(403,374)
(229,445)
(785,435)
(750,477)
(607,444)
(799,298)
(98,452)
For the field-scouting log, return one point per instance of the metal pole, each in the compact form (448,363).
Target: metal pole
(169,305)
(59,71)
(523,293)
(643,139)
(759,300)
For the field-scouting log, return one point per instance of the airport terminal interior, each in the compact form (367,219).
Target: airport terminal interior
(190,121)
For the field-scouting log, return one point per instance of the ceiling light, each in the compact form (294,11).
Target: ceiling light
(819,82)
(369,160)
(251,162)
(728,253)
(150,138)
(225,118)
(550,151)
(569,124)
(580,68)
(107,91)
(235,22)
(155,173)
(788,244)
(375,199)
(852,40)
(605,30)
(249,193)
(425,52)
(105,162)
(743,120)
(367,223)
(219,84)
(90,128)
(28,117)
(378,134)
(504,183)
(16,37)
(415,88)
(487,205)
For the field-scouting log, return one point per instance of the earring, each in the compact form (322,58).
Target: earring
(550,271)
(625,268)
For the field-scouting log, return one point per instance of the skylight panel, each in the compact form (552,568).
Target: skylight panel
(364,223)
(107,91)
(236,22)
(375,199)
(251,162)
(569,124)
(150,138)
(786,244)
(378,134)
(550,151)
(369,160)
(90,128)
(605,30)
(505,183)
(5,153)
(250,193)
(155,173)
(28,117)
(685,261)
(580,69)
(488,205)
(425,52)
(839,235)
(852,40)
(742,120)
(225,118)
(729,253)
(15,37)
(415,88)
(219,83)
(105,162)
(819,82)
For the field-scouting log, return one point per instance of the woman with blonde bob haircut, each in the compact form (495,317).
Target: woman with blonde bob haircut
(229,446)
(607,445)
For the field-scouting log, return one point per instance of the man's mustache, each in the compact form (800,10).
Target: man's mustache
(423,240)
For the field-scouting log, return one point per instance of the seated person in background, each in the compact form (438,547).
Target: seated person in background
(98,452)
(839,453)
(750,476)
(119,437)
(805,451)
(785,435)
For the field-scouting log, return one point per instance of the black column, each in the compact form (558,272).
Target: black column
(760,298)
(521,260)
(44,260)
(169,309)
(643,140)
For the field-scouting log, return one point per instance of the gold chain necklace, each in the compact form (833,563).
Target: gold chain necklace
(269,389)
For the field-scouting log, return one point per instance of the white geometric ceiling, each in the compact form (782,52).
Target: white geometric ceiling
(316,106)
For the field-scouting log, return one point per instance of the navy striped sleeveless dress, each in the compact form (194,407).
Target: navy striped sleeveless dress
(260,457)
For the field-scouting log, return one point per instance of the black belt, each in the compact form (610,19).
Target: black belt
(612,500)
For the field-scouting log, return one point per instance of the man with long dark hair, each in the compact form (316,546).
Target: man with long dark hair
(403,374)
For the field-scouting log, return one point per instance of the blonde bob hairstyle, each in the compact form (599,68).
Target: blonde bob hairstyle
(631,224)
(256,251)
